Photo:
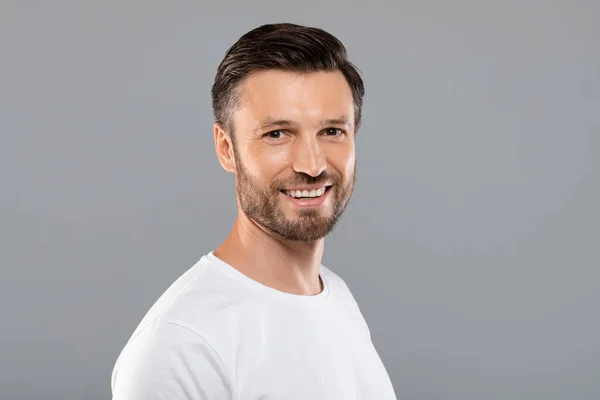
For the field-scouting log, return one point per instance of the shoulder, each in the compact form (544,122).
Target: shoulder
(166,360)
(197,297)
(342,293)
(339,288)
(179,340)
(333,279)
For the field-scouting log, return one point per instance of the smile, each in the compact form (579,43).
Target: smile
(305,193)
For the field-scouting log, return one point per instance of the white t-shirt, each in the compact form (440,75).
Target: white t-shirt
(217,334)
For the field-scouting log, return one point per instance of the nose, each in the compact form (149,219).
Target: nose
(309,158)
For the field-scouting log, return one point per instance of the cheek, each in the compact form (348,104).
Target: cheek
(343,161)
(266,165)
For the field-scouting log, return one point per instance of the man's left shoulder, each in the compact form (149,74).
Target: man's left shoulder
(338,285)
(343,294)
(333,279)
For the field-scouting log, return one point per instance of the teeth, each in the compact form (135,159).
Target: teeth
(305,193)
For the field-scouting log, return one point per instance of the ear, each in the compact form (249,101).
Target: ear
(224,148)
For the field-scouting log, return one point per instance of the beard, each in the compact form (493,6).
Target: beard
(263,205)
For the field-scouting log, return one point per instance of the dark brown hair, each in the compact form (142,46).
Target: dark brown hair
(283,46)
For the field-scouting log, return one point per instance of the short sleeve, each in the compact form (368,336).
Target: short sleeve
(169,361)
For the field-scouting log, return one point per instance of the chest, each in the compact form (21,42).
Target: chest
(313,359)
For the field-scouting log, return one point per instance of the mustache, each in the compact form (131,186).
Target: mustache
(304,179)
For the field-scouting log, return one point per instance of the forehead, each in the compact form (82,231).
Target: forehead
(294,96)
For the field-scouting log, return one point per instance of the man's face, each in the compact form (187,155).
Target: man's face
(295,151)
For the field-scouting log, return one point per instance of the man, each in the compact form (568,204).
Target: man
(260,317)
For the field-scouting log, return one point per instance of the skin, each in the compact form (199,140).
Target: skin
(291,130)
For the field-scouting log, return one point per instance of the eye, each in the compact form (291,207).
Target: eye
(333,132)
(278,134)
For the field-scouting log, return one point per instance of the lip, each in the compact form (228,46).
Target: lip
(312,202)
(309,188)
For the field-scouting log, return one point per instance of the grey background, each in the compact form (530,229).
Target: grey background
(471,242)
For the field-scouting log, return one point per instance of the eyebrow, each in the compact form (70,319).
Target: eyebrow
(341,120)
(270,122)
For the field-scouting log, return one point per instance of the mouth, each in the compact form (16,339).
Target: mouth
(305,194)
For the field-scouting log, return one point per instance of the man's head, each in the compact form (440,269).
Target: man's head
(287,106)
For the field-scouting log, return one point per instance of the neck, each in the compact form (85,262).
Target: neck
(288,266)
